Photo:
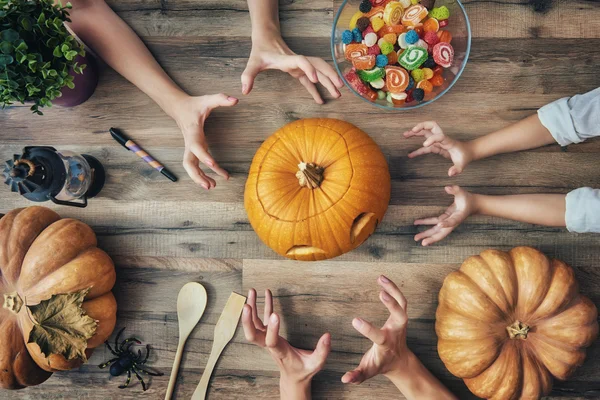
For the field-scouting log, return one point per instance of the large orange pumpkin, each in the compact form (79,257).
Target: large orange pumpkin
(508,323)
(42,255)
(317,188)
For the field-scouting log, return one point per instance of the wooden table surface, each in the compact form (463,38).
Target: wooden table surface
(161,235)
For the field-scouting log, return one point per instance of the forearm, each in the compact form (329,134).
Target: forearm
(117,44)
(528,133)
(540,209)
(294,390)
(264,15)
(416,382)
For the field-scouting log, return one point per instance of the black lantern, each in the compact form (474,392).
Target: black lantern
(42,173)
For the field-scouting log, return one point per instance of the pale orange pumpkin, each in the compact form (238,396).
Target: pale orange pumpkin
(43,255)
(317,188)
(508,323)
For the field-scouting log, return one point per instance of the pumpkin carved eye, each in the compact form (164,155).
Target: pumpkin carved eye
(317,188)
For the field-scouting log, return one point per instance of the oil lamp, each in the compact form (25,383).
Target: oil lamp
(42,173)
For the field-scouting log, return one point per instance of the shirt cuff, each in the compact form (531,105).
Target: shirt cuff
(583,210)
(556,117)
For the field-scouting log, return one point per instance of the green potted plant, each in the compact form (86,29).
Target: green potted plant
(40,61)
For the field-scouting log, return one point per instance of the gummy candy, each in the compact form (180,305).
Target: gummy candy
(388,97)
(395,29)
(357,35)
(381,61)
(370,94)
(431,25)
(445,36)
(427,73)
(392,15)
(398,99)
(364,62)
(429,63)
(437,80)
(443,54)
(371,39)
(378,84)
(363,23)
(423,44)
(414,15)
(418,94)
(413,2)
(417,74)
(353,20)
(437,70)
(419,30)
(365,6)
(381,94)
(402,41)
(396,79)
(431,38)
(359,86)
(405,3)
(425,85)
(392,58)
(409,96)
(368,29)
(377,23)
(440,13)
(347,37)
(443,23)
(374,50)
(386,47)
(390,38)
(411,83)
(355,50)
(375,12)
(413,57)
(371,75)
(411,37)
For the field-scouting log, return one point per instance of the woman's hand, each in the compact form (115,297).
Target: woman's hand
(464,205)
(389,352)
(297,367)
(437,142)
(190,113)
(271,52)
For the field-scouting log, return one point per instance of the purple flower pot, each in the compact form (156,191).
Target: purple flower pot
(85,84)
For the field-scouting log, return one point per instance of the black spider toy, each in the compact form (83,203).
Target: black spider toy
(127,360)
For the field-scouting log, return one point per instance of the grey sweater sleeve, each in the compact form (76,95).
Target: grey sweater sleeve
(573,119)
(583,210)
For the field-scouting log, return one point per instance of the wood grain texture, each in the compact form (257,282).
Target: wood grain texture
(525,53)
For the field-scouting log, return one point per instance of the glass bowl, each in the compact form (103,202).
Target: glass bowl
(458,26)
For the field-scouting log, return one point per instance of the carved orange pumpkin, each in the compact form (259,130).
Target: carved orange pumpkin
(317,188)
(507,323)
(42,255)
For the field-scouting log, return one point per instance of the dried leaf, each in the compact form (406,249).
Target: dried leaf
(61,325)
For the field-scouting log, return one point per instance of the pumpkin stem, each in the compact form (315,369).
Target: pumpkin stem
(518,330)
(310,175)
(12,302)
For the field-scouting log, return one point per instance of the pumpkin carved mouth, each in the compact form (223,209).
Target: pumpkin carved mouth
(304,250)
(363,226)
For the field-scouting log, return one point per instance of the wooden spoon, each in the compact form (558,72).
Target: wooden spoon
(191,303)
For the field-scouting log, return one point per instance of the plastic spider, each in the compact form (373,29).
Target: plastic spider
(127,360)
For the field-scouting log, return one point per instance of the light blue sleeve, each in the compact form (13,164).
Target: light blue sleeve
(583,210)
(573,119)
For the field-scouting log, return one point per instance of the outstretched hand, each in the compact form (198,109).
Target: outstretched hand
(275,54)
(389,351)
(437,142)
(297,366)
(461,209)
(190,114)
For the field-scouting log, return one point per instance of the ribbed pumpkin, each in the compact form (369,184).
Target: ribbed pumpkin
(508,323)
(317,188)
(43,255)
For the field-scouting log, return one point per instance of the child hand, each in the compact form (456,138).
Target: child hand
(297,367)
(275,54)
(438,143)
(463,207)
(389,352)
(190,113)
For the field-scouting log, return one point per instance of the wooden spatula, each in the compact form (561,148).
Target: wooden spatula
(224,331)
(191,303)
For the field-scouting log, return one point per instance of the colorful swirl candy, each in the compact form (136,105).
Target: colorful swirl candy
(355,50)
(413,57)
(364,62)
(392,14)
(443,54)
(414,15)
(396,79)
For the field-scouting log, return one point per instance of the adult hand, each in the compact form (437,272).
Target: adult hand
(438,143)
(464,205)
(297,366)
(389,352)
(190,113)
(273,53)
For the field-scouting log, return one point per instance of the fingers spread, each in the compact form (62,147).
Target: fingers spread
(398,317)
(272,338)
(268,305)
(309,69)
(203,155)
(429,232)
(326,69)
(322,349)
(390,288)
(435,138)
(366,329)
(436,237)
(427,221)
(220,100)
(252,334)
(248,76)
(192,167)
(428,125)
(312,89)
(252,302)
(453,190)
(325,81)
(355,377)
